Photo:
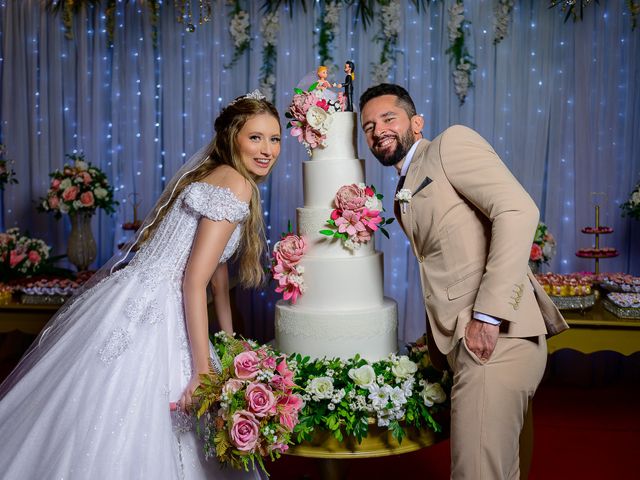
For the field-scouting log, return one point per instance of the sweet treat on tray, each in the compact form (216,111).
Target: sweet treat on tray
(52,285)
(597,252)
(624,300)
(571,285)
(620,282)
(599,230)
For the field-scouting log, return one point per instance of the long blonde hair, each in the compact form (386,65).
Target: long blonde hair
(223,150)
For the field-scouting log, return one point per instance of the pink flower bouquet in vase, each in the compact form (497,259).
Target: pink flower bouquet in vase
(249,409)
(543,248)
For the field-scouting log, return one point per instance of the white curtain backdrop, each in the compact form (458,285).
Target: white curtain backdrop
(559,102)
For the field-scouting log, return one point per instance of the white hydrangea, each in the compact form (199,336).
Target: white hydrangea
(332,17)
(390,18)
(269,28)
(381,72)
(239,28)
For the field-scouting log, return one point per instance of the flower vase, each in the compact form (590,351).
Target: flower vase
(81,246)
(534,266)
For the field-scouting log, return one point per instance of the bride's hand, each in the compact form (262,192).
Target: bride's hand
(186,401)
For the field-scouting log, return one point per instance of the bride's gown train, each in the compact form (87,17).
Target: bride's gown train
(96,404)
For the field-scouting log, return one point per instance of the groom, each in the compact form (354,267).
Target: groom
(470,225)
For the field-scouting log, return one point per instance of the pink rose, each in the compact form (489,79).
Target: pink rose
(232,386)
(289,250)
(70,194)
(536,252)
(55,184)
(269,363)
(15,258)
(245,431)
(54,202)
(350,197)
(260,399)
(288,420)
(246,365)
(34,257)
(5,238)
(86,177)
(87,199)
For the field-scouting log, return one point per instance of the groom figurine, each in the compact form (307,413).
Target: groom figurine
(470,225)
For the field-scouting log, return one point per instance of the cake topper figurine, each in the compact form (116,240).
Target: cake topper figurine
(349,69)
(322,72)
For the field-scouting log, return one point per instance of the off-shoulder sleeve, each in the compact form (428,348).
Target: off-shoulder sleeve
(215,203)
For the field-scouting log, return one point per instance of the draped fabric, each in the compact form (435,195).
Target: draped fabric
(559,102)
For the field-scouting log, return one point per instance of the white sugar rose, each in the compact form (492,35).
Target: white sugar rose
(100,193)
(404,367)
(363,376)
(322,387)
(319,119)
(433,393)
(64,184)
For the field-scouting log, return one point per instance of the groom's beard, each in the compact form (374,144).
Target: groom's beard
(403,145)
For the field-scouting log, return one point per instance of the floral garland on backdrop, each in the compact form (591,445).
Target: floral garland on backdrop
(240,30)
(503,14)
(269,29)
(328,30)
(460,57)
(390,24)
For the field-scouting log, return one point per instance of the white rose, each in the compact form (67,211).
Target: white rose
(373,203)
(433,393)
(80,165)
(635,198)
(100,193)
(319,119)
(549,250)
(363,376)
(64,184)
(77,204)
(404,367)
(322,387)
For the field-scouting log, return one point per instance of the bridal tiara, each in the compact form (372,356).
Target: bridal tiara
(255,95)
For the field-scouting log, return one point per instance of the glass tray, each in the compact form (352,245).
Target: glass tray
(574,302)
(621,312)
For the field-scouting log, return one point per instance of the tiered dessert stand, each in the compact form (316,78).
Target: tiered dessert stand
(598,252)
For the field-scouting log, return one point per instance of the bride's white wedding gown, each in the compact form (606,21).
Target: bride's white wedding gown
(96,404)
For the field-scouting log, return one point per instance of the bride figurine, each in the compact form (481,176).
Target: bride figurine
(91,397)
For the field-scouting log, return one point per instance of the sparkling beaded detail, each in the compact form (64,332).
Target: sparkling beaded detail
(215,203)
(115,345)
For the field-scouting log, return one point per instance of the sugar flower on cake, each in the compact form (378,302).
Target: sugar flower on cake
(248,409)
(356,216)
(310,116)
(286,268)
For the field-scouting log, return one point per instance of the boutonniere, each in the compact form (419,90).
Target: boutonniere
(404,197)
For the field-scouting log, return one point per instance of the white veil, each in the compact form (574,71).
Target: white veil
(62,321)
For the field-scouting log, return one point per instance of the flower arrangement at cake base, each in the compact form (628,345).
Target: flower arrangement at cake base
(249,409)
(346,397)
(356,215)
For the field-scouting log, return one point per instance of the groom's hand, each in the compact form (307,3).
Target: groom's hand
(481,338)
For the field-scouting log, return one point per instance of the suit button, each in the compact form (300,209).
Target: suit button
(421,258)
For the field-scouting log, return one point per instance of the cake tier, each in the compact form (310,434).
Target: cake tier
(341,139)
(338,284)
(370,332)
(311,221)
(321,180)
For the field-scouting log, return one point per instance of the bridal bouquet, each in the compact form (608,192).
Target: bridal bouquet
(543,247)
(285,265)
(356,215)
(632,206)
(310,116)
(79,187)
(21,255)
(249,409)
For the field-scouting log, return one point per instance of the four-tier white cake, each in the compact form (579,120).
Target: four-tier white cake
(343,310)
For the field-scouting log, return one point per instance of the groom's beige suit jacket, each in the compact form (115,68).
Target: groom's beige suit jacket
(471,225)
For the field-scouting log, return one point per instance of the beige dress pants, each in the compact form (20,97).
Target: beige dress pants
(489,405)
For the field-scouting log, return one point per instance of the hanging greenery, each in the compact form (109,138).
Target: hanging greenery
(269,28)
(328,29)
(461,59)
(390,24)
(504,12)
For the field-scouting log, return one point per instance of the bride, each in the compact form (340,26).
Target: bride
(91,397)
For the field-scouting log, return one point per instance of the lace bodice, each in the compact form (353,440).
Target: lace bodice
(167,252)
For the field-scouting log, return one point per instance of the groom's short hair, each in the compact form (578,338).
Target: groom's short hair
(404,99)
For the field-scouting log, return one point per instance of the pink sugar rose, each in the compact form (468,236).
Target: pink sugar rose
(70,194)
(54,202)
(536,252)
(299,106)
(34,257)
(350,223)
(311,136)
(87,199)
(350,197)
(245,431)
(55,183)
(289,250)
(15,258)
(260,400)
(246,365)
(232,386)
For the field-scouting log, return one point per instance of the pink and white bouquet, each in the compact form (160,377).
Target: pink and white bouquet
(310,116)
(286,268)
(21,255)
(79,187)
(250,408)
(543,248)
(357,215)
